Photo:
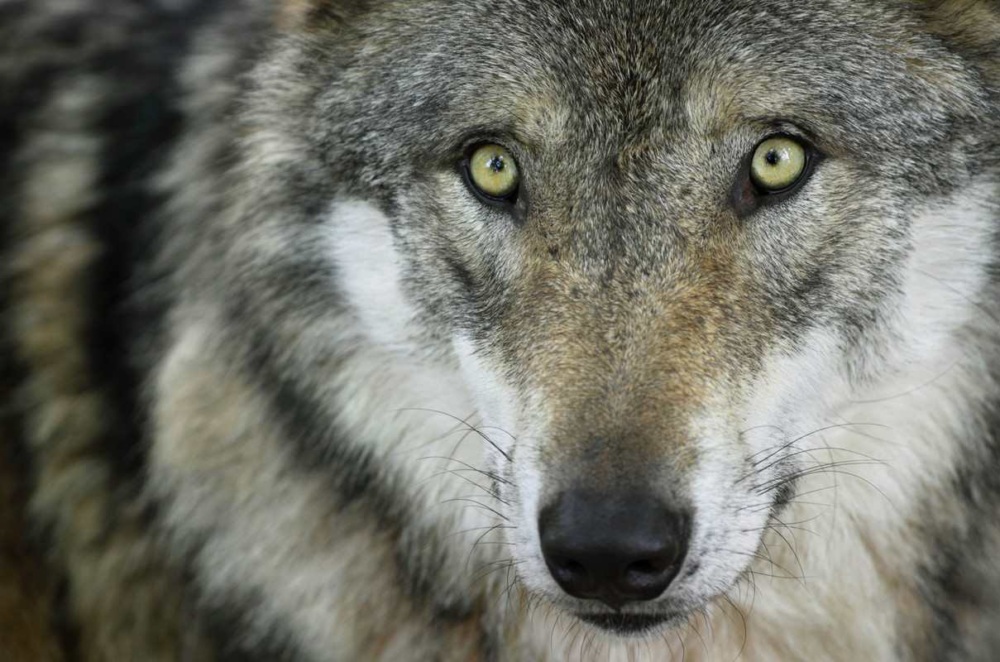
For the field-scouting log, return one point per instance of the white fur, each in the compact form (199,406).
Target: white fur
(370,272)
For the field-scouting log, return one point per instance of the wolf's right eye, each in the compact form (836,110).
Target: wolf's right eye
(492,173)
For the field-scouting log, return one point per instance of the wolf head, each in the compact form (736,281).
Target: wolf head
(656,243)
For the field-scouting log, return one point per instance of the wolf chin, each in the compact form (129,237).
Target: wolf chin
(522,330)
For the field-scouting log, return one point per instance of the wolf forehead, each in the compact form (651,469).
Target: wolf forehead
(415,78)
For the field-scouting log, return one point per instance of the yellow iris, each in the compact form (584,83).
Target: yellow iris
(493,171)
(778,163)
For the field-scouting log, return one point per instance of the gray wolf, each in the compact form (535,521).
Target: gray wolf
(521,330)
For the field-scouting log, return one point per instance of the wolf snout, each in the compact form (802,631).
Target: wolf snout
(613,548)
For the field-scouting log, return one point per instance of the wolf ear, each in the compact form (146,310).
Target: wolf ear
(309,15)
(971,28)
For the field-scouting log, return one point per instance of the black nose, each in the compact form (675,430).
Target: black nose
(613,548)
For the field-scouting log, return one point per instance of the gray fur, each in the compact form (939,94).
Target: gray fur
(210,410)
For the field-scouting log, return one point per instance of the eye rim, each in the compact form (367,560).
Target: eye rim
(506,201)
(747,197)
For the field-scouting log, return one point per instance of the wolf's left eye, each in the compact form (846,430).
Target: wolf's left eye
(492,173)
(778,163)
(776,168)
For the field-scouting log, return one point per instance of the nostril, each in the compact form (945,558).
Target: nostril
(643,568)
(648,575)
(568,569)
(572,575)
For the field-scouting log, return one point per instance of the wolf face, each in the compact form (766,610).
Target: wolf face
(518,330)
(651,323)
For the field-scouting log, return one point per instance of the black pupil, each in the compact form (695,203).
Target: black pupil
(496,164)
(773,157)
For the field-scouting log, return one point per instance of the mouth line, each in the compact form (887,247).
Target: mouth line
(626,624)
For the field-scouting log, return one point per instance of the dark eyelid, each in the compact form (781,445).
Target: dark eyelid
(794,127)
(746,198)
(506,202)
(485,136)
